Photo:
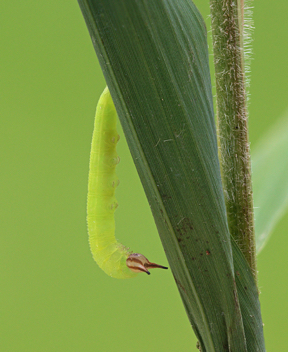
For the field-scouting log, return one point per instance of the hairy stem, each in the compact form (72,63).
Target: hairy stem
(228,43)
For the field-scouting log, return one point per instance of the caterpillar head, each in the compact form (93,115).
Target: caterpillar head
(140,264)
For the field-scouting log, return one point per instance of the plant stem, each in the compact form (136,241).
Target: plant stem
(232,115)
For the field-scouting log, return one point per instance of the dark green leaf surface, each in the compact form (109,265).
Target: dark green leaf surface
(155,60)
(270,181)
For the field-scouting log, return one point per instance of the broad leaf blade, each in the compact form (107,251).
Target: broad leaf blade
(270,181)
(155,60)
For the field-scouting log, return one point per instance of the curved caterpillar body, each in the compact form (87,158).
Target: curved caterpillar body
(114,258)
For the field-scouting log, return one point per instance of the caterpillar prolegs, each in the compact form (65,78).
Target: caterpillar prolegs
(111,256)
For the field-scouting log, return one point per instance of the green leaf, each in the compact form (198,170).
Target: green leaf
(270,180)
(155,60)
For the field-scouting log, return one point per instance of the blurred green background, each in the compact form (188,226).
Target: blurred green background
(53,295)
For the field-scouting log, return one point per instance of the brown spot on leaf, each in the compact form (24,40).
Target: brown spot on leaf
(184,226)
(179,284)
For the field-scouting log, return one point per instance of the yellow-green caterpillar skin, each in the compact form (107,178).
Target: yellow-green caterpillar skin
(110,255)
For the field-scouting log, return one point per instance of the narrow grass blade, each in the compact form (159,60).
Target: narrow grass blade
(155,60)
(270,180)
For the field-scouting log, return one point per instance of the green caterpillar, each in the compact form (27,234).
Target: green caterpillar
(112,257)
